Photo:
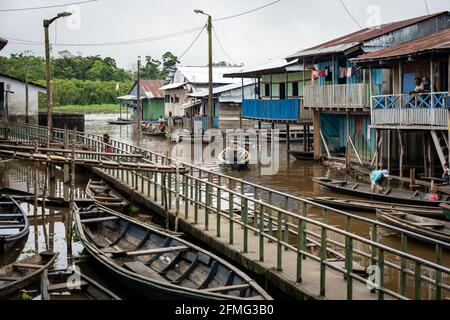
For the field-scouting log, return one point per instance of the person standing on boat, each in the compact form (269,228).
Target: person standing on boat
(377,178)
(170,124)
(446,175)
(108,146)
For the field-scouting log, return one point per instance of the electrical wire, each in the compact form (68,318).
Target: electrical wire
(192,44)
(351,16)
(247,12)
(426,6)
(221,47)
(135,41)
(47,7)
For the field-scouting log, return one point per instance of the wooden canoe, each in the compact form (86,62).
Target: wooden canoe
(235,157)
(14,225)
(431,228)
(389,195)
(103,194)
(60,284)
(372,206)
(20,275)
(157,265)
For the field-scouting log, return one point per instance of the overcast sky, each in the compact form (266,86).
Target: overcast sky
(271,33)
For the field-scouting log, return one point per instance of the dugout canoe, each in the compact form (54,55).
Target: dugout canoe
(158,265)
(389,195)
(14,225)
(103,194)
(58,285)
(372,206)
(20,275)
(432,228)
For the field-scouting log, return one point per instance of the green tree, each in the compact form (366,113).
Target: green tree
(169,61)
(151,69)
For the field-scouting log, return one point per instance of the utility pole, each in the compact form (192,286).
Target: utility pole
(138,107)
(210,67)
(210,62)
(47,24)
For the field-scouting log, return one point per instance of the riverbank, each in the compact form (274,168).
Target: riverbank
(94,108)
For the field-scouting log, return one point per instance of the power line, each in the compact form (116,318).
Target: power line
(426,6)
(247,12)
(351,16)
(47,7)
(192,44)
(136,41)
(221,47)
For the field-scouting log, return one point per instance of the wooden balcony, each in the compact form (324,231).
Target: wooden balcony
(345,97)
(429,109)
(289,110)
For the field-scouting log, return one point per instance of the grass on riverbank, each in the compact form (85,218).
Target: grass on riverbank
(94,108)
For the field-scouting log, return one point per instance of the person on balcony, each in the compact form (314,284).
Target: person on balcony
(418,87)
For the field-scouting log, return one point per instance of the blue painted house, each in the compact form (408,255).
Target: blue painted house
(340,92)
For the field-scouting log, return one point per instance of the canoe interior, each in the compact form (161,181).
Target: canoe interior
(65,285)
(364,190)
(104,194)
(23,273)
(13,223)
(185,268)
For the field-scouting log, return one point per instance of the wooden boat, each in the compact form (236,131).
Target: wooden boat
(235,156)
(103,194)
(155,133)
(302,155)
(14,225)
(445,210)
(157,265)
(121,122)
(20,275)
(431,228)
(390,194)
(372,206)
(60,284)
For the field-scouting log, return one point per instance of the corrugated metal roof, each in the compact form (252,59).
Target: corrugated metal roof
(364,35)
(152,88)
(228,87)
(3,43)
(266,68)
(434,42)
(173,86)
(200,75)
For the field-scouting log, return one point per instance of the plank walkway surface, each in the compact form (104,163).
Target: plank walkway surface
(285,280)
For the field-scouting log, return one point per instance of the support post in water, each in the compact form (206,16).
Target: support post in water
(72,193)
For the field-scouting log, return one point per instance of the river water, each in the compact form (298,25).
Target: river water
(293,177)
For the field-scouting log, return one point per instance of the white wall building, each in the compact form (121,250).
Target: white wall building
(13,95)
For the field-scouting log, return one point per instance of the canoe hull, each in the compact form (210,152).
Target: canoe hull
(335,186)
(8,242)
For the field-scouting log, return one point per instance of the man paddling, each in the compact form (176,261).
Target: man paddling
(377,179)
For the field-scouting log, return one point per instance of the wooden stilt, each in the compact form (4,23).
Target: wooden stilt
(288,137)
(402,153)
(389,167)
(72,194)
(66,146)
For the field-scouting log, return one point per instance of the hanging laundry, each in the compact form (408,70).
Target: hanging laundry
(329,74)
(349,72)
(315,75)
(342,72)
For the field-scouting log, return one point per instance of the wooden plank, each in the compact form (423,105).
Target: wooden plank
(150,251)
(27,266)
(12,226)
(9,279)
(143,270)
(228,288)
(99,220)
(63,286)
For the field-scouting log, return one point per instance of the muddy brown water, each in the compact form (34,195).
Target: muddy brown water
(293,177)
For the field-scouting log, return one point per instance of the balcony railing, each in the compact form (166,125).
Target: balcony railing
(346,96)
(428,109)
(275,110)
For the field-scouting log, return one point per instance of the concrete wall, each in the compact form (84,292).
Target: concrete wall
(16,100)
(61,120)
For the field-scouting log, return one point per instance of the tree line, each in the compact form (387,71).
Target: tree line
(79,80)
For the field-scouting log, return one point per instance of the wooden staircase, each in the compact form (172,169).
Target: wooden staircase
(440,140)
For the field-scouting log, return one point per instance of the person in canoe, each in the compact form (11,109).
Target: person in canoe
(377,179)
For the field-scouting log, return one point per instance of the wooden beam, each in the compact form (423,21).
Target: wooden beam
(356,151)
(149,252)
(95,220)
(227,288)
(325,144)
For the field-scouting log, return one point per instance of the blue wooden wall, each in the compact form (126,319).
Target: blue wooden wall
(272,109)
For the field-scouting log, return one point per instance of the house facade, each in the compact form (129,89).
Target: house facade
(152,99)
(408,119)
(19,101)
(339,94)
(185,80)
(227,105)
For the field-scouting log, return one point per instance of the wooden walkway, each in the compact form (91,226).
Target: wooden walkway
(285,280)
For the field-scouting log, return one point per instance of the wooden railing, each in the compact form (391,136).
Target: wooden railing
(342,97)
(278,218)
(428,109)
